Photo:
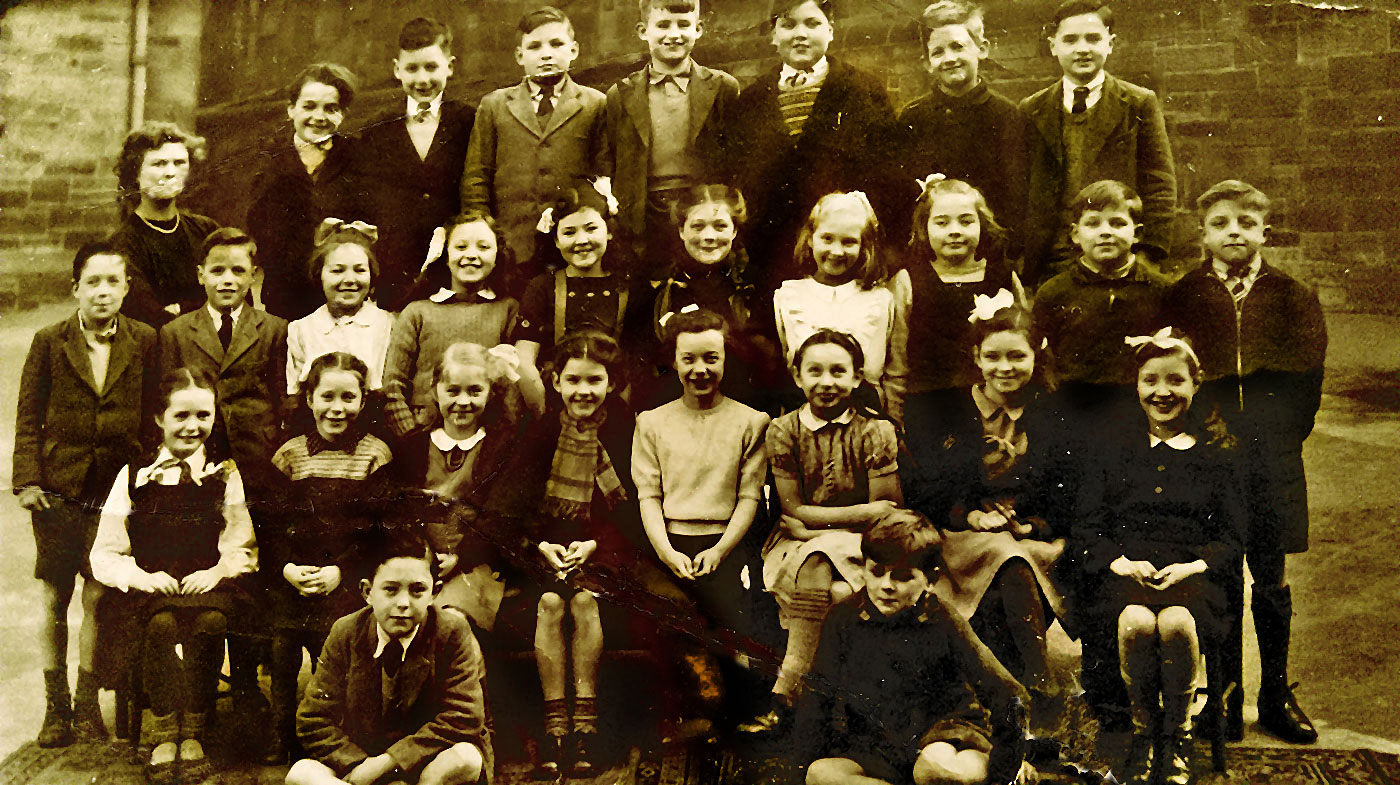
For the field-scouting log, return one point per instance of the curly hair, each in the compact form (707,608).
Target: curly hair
(151,136)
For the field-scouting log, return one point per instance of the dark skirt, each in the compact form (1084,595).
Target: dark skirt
(1198,594)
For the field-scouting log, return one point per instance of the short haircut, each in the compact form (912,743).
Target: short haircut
(844,340)
(871,265)
(781,8)
(952,12)
(228,235)
(540,17)
(1107,195)
(594,345)
(697,321)
(89,250)
(1237,191)
(991,235)
(422,32)
(151,136)
(698,195)
(317,261)
(1070,8)
(644,7)
(337,76)
(397,542)
(184,378)
(903,538)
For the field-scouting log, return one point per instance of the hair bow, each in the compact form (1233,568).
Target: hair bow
(508,360)
(603,185)
(546,222)
(435,247)
(984,307)
(1162,339)
(333,227)
(925,182)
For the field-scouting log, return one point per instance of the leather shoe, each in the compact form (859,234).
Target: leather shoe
(1280,714)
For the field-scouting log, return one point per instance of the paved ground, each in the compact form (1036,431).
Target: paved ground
(1347,595)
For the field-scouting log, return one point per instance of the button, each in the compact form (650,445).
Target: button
(1161,468)
(571,294)
(590,294)
(1158,489)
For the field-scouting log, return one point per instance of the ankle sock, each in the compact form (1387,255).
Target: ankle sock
(585,714)
(556,717)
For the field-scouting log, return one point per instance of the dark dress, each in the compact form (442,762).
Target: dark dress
(175,529)
(287,205)
(162,265)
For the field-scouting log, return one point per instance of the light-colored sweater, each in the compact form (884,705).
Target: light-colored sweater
(699,463)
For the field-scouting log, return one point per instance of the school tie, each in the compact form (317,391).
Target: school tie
(226,330)
(546,107)
(1236,285)
(455,457)
(1081,100)
(425,109)
(392,658)
(186,475)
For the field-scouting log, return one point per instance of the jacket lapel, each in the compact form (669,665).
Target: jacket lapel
(704,86)
(1107,115)
(519,104)
(363,684)
(418,665)
(1048,117)
(75,348)
(245,331)
(204,336)
(566,107)
(634,98)
(123,349)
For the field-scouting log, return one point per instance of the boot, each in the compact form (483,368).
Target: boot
(551,752)
(57,729)
(1279,712)
(583,765)
(195,767)
(158,729)
(87,713)
(1147,724)
(1169,754)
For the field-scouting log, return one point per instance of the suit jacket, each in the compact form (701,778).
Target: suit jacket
(341,717)
(250,379)
(70,437)
(783,176)
(408,197)
(1128,142)
(514,163)
(287,206)
(711,95)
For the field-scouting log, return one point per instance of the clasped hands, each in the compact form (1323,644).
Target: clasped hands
(1149,577)
(312,581)
(564,559)
(999,516)
(199,582)
(692,567)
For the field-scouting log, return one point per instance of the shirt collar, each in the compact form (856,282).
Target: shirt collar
(817,72)
(361,318)
(814,423)
(434,106)
(104,335)
(680,76)
(1095,90)
(989,409)
(382,640)
(159,471)
(978,94)
(1118,273)
(219,317)
(447,295)
(1225,272)
(445,443)
(323,145)
(1181,441)
(536,88)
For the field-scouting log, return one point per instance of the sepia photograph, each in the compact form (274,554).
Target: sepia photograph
(699,392)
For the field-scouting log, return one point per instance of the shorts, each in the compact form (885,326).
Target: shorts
(63,536)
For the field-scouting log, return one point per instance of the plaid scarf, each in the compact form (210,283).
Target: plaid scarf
(580,463)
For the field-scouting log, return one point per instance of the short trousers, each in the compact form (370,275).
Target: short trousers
(63,536)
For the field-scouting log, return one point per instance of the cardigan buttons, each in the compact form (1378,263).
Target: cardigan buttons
(1158,489)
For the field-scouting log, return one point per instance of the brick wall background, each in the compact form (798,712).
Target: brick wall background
(1304,102)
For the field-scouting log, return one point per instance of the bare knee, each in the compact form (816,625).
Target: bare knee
(1175,624)
(310,772)
(213,623)
(460,764)
(583,606)
(1136,623)
(815,573)
(833,771)
(941,764)
(551,607)
(92,593)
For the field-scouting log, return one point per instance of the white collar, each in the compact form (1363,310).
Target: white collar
(1249,272)
(106,332)
(303,145)
(987,407)
(445,443)
(1095,90)
(199,469)
(812,422)
(817,73)
(536,88)
(360,318)
(434,106)
(1181,441)
(219,317)
(382,640)
(444,294)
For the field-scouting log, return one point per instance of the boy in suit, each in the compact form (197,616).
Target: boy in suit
(410,161)
(1091,126)
(811,126)
(81,398)
(962,128)
(397,693)
(534,137)
(664,124)
(1262,343)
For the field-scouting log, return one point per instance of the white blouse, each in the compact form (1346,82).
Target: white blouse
(364,334)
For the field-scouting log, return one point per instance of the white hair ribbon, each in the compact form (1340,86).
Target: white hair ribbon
(435,247)
(984,307)
(1162,339)
(546,223)
(925,182)
(509,360)
(603,185)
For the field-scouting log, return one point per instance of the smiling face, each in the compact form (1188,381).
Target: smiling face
(548,50)
(670,36)
(317,113)
(187,420)
(1081,43)
(953,57)
(954,227)
(708,232)
(226,275)
(1165,388)
(462,392)
(1007,363)
(399,594)
(100,289)
(345,279)
(582,239)
(1105,236)
(700,363)
(892,588)
(423,72)
(827,376)
(1233,232)
(471,255)
(163,172)
(336,403)
(836,245)
(584,385)
(803,35)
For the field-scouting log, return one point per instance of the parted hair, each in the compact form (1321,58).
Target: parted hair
(1233,191)
(422,32)
(1070,8)
(781,8)
(871,265)
(540,17)
(89,250)
(903,538)
(228,236)
(1107,195)
(952,12)
(672,6)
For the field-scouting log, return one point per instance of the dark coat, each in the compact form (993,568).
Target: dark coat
(712,93)
(1085,317)
(71,438)
(783,176)
(1128,142)
(1263,367)
(408,197)
(250,380)
(287,205)
(339,721)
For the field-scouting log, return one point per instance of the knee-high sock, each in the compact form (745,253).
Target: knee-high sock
(805,614)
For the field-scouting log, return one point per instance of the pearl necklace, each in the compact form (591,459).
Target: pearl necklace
(171,230)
